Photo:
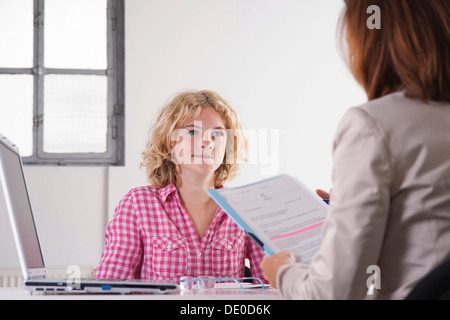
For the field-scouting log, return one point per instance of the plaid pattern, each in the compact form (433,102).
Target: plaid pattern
(152,237)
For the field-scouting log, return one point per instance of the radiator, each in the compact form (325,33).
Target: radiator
(11,281)
(14,278)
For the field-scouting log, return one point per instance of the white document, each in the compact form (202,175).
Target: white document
(280,213)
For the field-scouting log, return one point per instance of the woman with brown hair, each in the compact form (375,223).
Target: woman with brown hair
(389,218)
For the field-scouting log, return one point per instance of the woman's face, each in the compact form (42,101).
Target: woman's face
(200,146)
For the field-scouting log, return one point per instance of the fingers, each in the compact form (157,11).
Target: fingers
(271,264)
(323,194)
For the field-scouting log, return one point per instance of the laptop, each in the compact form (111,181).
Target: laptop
(28,246)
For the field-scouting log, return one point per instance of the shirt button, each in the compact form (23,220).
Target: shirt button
(169,247)
(229,246)
(199,253)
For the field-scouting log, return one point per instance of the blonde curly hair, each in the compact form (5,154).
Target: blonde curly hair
(176,114)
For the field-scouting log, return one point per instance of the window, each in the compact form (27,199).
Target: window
(62,80)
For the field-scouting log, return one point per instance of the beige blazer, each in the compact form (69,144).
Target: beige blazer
(389,217)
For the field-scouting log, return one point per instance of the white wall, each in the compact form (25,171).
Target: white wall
(275,61)
(70,206)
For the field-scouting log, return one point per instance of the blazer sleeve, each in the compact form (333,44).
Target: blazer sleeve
(354,229)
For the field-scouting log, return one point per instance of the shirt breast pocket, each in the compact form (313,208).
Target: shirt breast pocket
(169,258)
(228,256)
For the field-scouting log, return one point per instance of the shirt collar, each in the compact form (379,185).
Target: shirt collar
(168,190)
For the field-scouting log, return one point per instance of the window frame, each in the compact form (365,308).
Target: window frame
(115,73)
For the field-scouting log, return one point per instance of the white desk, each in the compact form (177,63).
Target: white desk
(208,294)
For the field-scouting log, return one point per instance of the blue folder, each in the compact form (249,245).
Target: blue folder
(216,196)
(238,220)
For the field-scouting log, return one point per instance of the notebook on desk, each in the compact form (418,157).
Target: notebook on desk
(20,211)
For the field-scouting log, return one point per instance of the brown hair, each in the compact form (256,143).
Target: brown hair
(180,110)
(410,52)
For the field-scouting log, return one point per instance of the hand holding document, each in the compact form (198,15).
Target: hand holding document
(279,213)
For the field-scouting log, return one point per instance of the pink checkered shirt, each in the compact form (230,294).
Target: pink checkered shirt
(152,237)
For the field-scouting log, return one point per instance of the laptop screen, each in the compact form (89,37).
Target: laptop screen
(16,194)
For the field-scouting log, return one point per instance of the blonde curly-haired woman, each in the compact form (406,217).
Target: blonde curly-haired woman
(172,228)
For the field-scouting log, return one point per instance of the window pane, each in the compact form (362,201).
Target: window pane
(75,34)
(16,120)
(75,114)
(16,33)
